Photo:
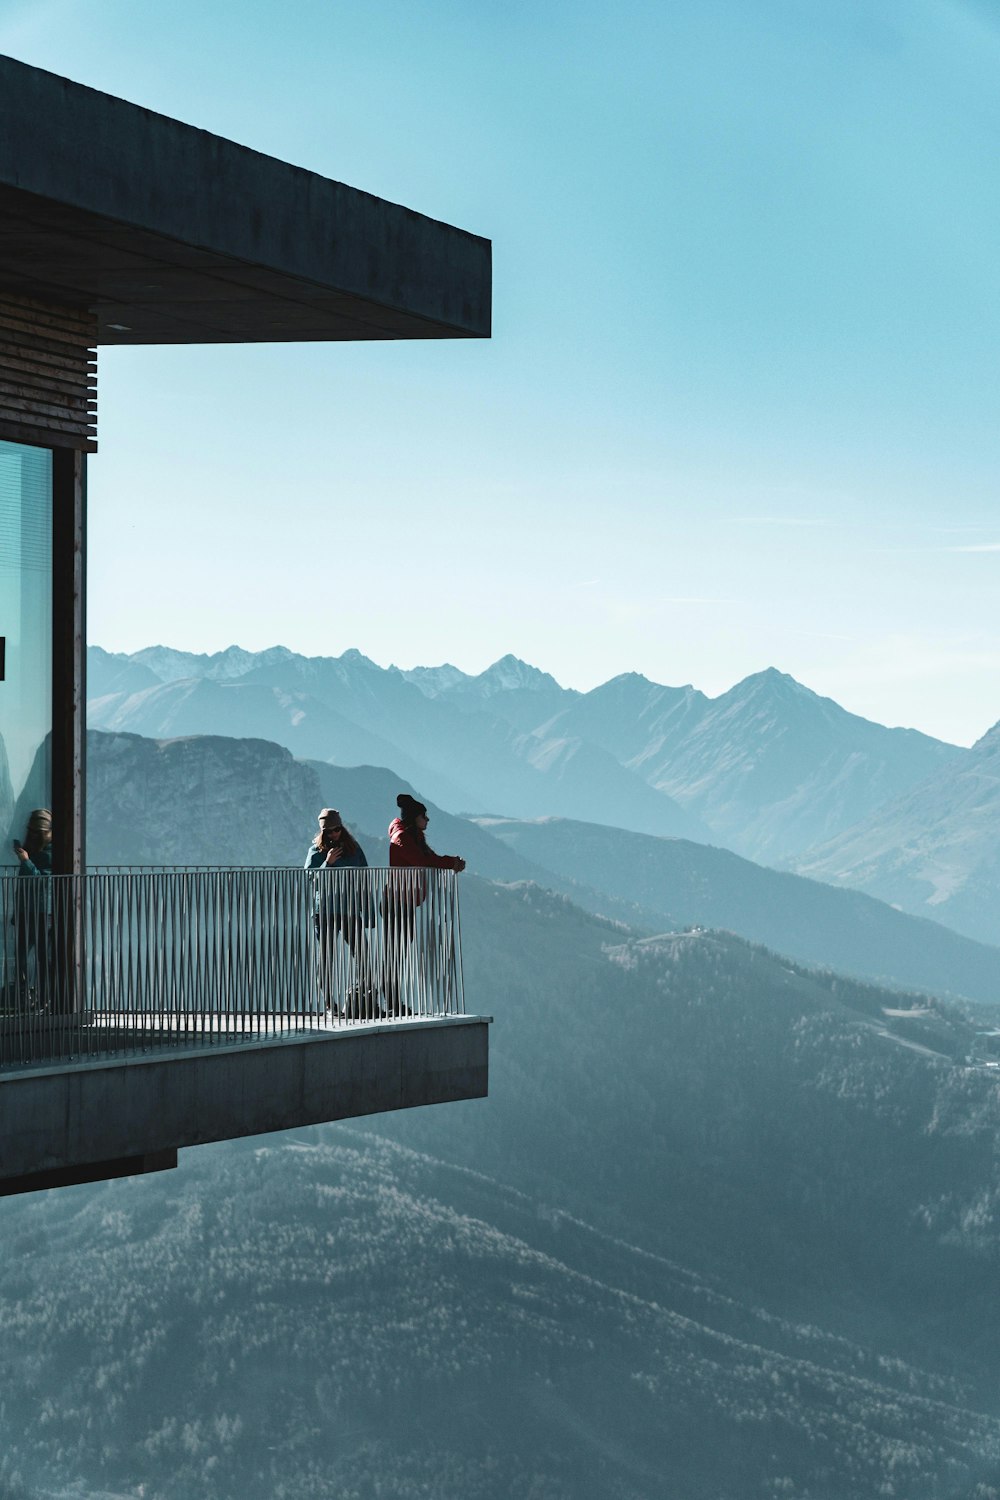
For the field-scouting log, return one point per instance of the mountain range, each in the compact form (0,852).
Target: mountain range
(770,766)
(349,711)
(768,769)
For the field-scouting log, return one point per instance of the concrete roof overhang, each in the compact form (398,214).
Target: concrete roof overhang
(175,236)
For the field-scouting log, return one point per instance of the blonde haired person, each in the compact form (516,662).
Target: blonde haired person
(343,906)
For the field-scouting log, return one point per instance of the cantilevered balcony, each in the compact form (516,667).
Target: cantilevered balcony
(145,1010)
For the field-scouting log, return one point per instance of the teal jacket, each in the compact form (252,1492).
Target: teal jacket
(337,898)
(316,859)
(38,898)
(40,865)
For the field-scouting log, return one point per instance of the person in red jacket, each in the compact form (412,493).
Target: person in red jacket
(409,850)
(408,839)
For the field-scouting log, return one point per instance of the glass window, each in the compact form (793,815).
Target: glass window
(26,625)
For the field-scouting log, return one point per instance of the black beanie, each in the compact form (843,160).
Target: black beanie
(410,808)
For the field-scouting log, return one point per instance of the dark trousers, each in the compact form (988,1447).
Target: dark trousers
(398,927)
(33,940)
(354,992)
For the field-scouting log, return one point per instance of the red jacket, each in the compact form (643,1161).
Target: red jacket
(406,849)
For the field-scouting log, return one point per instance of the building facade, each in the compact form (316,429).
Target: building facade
(121,226)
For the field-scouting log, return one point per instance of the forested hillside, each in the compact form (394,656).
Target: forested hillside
(722,1223)
(347,1318)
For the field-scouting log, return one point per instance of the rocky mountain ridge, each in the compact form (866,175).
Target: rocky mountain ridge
(348,711)
(768,769)
(770,766)
(934,850)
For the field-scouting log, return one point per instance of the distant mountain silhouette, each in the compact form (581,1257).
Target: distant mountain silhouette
(256,709)
(349,711)
(934,850)
(768,768)
(631,716)
(674,883)
(108,674)
(517,692)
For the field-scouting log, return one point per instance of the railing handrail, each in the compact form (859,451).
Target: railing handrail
(225,869)
(125,958)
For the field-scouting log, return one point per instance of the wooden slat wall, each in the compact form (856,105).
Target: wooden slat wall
(48,375)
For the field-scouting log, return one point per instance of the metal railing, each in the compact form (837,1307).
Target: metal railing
(129,959)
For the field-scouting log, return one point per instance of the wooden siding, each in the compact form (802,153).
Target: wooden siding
(48,375)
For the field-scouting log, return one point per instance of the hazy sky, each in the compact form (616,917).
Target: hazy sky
(740,408)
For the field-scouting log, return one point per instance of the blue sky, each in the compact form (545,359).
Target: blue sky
(740,407)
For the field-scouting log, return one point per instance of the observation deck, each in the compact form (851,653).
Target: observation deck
(144,1010)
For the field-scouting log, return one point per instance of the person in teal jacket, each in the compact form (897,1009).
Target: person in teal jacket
(33,909)
(334,846)
(344,906)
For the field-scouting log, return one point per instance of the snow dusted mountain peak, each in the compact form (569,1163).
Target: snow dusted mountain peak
(167,664)
(627,682)
(228,665)
(640,683)
(234,661)
(352,657)
(510,673)
(433,681)
(773,683)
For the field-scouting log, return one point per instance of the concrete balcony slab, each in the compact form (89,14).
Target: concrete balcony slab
(82,1121)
